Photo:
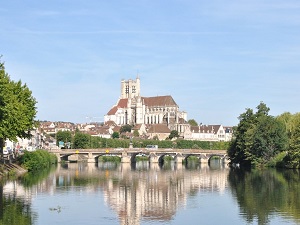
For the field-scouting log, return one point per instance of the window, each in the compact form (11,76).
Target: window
(127,89)
(133,89)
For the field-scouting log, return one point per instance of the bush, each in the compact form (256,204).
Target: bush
(39,159)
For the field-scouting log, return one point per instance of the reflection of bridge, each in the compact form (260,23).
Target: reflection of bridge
(128,155)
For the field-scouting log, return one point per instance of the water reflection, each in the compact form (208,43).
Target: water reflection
(261,194)
(152,192)
(144,191)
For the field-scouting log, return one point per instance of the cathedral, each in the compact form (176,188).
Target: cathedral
(133,109)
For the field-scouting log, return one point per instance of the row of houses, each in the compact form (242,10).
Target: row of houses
(147,131)
(44,135)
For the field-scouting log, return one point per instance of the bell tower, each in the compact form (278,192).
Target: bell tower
(130,88)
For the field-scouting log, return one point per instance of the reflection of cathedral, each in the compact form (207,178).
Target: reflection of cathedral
(156,194)
(134,109)
(147,193)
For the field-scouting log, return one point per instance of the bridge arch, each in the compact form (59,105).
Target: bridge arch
(223,158)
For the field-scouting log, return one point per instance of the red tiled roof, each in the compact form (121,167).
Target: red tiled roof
(117,129)
(110,123)
(159,128)
(122,103)
(137,126)
(159,101)
(112,111)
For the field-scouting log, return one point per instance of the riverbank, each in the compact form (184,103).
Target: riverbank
(11,169)
(29,161)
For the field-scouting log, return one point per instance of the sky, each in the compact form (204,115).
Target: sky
(215,58)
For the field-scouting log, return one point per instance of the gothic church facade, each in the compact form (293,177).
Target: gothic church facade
(133,109)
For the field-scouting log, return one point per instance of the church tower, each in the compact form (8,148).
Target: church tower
(130,88)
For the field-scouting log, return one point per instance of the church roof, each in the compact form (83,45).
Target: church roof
(112,111)
(205,129)
(159,101)
(122,103)
(148,101)
(159,128)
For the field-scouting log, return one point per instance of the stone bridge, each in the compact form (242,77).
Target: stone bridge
(129,155)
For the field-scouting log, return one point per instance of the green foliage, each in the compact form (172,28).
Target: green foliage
(173,134)
(65,136)
(136,133)
(278,160)
(37,160)
(109,159)
(82,141)
(293,157)
(258,137)
(17,108)
(192,122)
(115,135)
(125,128)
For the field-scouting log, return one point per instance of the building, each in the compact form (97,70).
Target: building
(133,109)
(210,133)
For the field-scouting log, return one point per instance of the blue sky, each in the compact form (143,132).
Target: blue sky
(215,57)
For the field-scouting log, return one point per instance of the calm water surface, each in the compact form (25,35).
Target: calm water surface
(151,194)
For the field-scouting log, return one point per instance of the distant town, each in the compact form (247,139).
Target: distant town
(149,118)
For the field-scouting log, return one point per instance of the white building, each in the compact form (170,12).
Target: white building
(211,133)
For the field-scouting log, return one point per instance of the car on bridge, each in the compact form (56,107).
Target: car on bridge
(151,147)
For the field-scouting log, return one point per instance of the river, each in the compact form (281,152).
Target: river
(110,194)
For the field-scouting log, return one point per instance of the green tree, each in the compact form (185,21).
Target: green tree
(125,128)
(293,156)
(269,138)
(82,140)
(115,135)
(173,134)
(17,108)
(192,122)
(240,143)
(286,119)
(258,137)
(65,136)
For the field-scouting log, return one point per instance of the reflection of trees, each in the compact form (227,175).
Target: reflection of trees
(30,179)
(14,210)
(16,207)
(260,193)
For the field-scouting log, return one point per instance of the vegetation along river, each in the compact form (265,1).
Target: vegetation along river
(143,193)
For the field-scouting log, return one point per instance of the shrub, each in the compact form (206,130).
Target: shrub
(39,159)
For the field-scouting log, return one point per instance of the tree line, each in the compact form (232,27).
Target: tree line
(264,140)
(80,140)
